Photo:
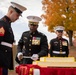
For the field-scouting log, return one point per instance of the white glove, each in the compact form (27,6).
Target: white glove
(34,57)
(20,55)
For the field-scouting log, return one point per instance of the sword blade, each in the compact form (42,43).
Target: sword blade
(26,56)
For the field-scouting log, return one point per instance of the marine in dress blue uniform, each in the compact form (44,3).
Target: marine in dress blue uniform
(59,45)
(7,36)
(32,43)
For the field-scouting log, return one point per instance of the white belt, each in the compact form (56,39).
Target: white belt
(58,52)
(6,44)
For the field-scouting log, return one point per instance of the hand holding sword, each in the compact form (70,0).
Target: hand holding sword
(33,57)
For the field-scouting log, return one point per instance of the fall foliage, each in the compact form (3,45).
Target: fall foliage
(60,12)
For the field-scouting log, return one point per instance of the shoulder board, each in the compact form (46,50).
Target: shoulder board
(41,33)
(3,19)
(26,32)
(64,39)
(53,39)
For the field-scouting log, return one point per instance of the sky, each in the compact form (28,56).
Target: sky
(34,7)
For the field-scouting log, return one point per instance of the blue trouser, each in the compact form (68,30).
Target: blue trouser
(5,71)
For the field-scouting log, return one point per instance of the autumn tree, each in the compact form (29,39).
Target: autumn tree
(60,12)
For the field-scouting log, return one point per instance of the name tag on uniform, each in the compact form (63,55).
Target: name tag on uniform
(64,43)
(36,41)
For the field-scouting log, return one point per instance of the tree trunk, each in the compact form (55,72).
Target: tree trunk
(70,34)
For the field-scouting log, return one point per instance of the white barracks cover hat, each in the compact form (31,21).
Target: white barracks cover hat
(34,19)
(19,8)
(59,28)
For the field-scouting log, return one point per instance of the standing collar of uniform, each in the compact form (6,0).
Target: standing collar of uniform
(7,19)
(59,38)
(33,32)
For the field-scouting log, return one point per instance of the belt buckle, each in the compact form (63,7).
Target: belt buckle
(60,52)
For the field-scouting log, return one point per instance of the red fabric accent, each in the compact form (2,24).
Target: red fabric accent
(17,69)
(0,71)
(25,70)
(58,71)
